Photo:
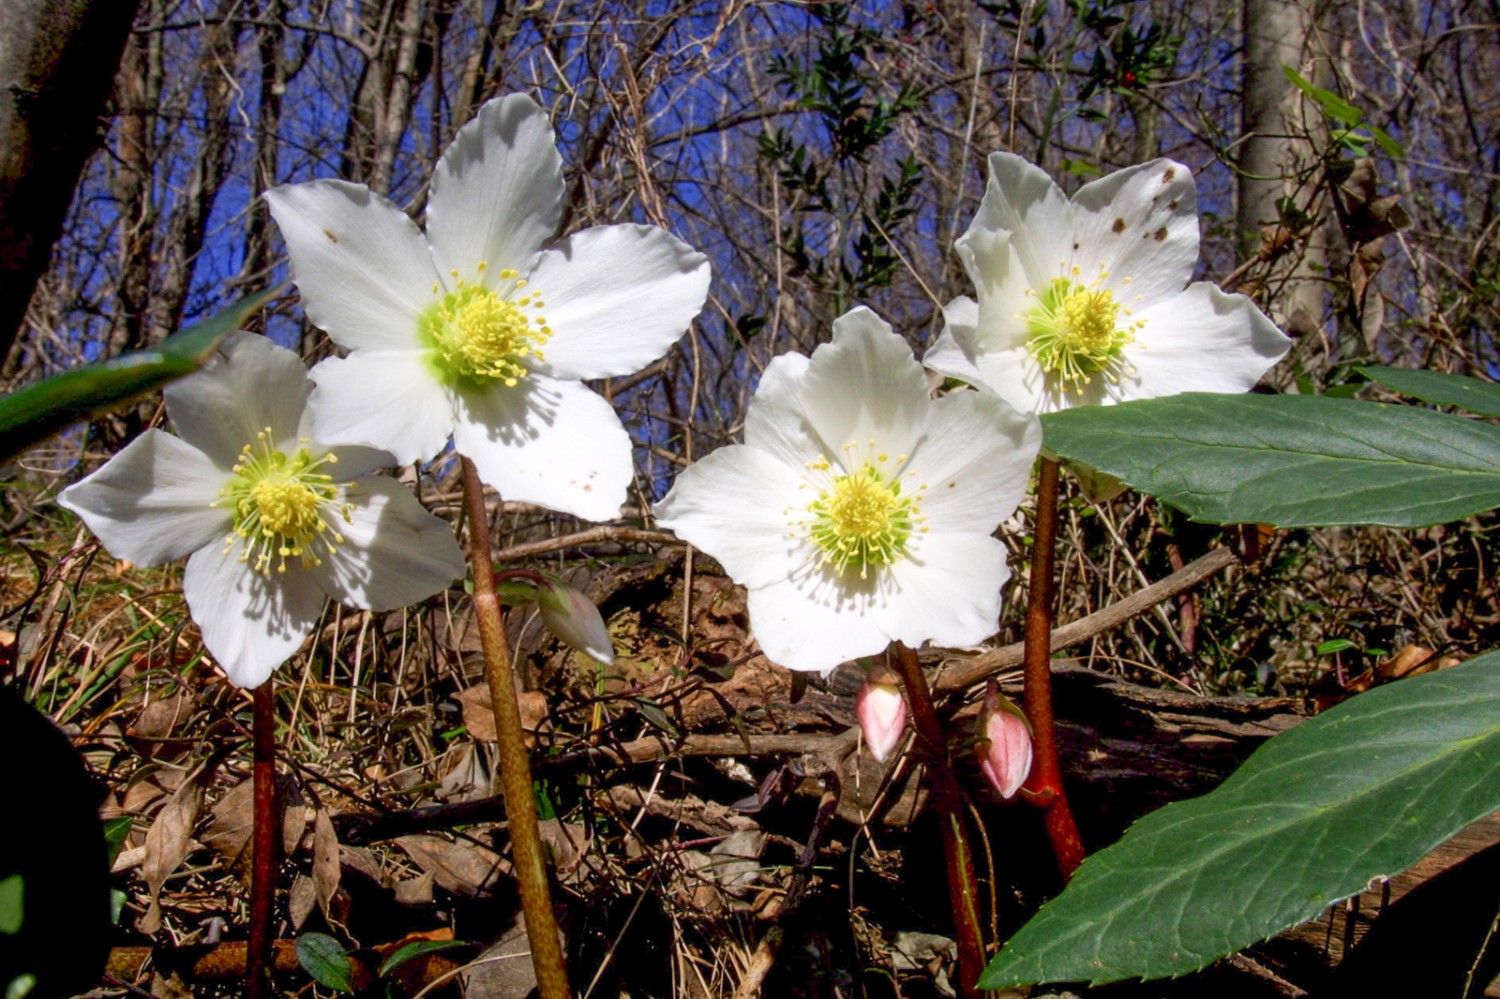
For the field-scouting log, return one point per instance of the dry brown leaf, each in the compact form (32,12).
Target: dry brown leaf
(464,775)
(479,711)
(302,899)
(231,821)
(461,867)
(168,843)
(415,891)
(325,865)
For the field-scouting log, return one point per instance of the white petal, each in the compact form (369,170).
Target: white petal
(150,503)
(1022,200)
(388,399)
(804,626)
(394,552)
(951,354)
(497,193)
(1140,223)
(617,298)
(865,388)
(362,266)
(1203,340)
(776,423)
(249,385)
(975,463)
(732,504)
(554,443)
(947,591)
(252,622)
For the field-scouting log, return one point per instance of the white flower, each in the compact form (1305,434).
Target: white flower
(1087,302)
(271,521)
(448,331)
(859,511)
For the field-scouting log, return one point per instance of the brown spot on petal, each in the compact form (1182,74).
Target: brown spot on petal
(1160,234)
(1172,205)
(1169,176)
(331,237)
(1119,226)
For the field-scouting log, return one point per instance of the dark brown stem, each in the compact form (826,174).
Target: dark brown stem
(1045,787)
(948,798)
(266,840)
(515,767)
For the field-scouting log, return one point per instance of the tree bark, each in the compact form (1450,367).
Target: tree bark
(1279,157)
(57,65)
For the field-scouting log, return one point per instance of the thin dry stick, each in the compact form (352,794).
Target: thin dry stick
(1044,787)
(949,801)
(515,767)
(264,830)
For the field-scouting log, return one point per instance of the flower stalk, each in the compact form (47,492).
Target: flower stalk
(515,768)
(266,832)
(963,888)
(1044,788)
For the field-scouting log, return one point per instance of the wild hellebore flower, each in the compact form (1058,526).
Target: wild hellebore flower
(881,711)
(272,522)
(1004,743)
(1087,302)
(859,511)
(474,330)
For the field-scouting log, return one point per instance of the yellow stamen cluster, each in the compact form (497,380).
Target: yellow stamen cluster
(478,333)
(284,506)
(1077,331)
(862,519)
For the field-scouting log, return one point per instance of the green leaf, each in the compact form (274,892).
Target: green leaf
(12,908)
(1343,112)
(1439,388)
(53,404)
(326,960)
(1361,792)
(1333,645)
(1289,460)
(415,949)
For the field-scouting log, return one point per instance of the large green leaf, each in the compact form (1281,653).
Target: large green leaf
(1439,388)
(40,410)
(1317,812)
(1289,460)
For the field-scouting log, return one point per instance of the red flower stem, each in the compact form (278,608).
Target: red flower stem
(515,766)
(949,801)
(1044,787)
(266,833)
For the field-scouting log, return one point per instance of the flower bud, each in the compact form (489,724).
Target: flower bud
(574,619)
(1004,742)
(882,717)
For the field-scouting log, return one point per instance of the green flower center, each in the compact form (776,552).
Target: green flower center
(862,520)
(479,334)
(284,506)
(1077,331)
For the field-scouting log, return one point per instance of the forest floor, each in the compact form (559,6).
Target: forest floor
(686,793)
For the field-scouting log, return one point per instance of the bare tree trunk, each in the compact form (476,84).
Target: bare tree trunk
(1279,158)
(57,64)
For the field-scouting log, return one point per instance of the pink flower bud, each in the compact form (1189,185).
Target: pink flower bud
(1004,743)
(882,717)
(574,619)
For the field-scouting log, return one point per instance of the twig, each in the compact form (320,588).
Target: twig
(592,536)
(515,767)
(764,957)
